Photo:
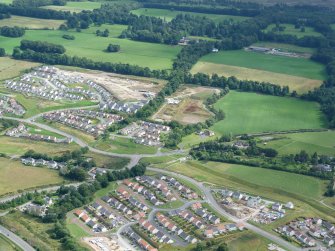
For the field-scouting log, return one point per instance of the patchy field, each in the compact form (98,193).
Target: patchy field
(299,84)
(87,44)
(168,15)
(190,110)
(31,23)
(10,68)
(16,146)
(252,113)
(311,142)
(13,176)
(291,30)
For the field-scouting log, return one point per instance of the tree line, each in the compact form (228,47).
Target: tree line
(11,31)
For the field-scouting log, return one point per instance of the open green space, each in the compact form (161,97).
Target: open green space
(87,44)
(123,145)
(300,67)
(254,113)
(31,23)
(18,146)
(7,245)
(32,230)
(311,142)
(75,6)
(76,231)
(291,30)
(13,176)
(168,15)
(246,240)
(6,1)
(10,68)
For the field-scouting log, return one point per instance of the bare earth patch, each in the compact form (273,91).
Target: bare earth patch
(298,84)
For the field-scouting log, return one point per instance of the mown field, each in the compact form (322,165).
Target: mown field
(13,176)
(75,6)
(320,142)
(10,68)
(87,44)
(252,113)
(291,30)
(31,23)
(299,67)
(168,15)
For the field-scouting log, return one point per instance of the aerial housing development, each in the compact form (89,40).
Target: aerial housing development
(151,125)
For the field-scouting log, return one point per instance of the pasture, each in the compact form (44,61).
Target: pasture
(87,44)
(291,30)
(75,6)
(13,176)
(254,113)
(31,23)
(168,15)
(10,68)
(311,142)
(299,67)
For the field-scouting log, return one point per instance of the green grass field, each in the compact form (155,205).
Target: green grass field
(87,44)
(252,113)
(299,67)
(10,68)
(290,30)
(246,240)
(31,23)
(75,6)
(6,1)
(320,142)
(13,176)
(168,15)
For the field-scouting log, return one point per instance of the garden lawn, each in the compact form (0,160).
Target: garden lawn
(291,30)
(300,67)
(14,176)
(311,142)
(87,44)
(168,15)
(31,23)
(255,113)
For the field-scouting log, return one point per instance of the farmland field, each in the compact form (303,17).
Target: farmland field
(299,84)
(75,6)
(252,113)
(299,67)
(13,176)
(168,15)
(290,30)
(10,68)
(320,142)
(31,23)
(87,44)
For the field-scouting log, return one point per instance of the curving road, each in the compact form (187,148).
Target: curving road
(210,200)
(16,239)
